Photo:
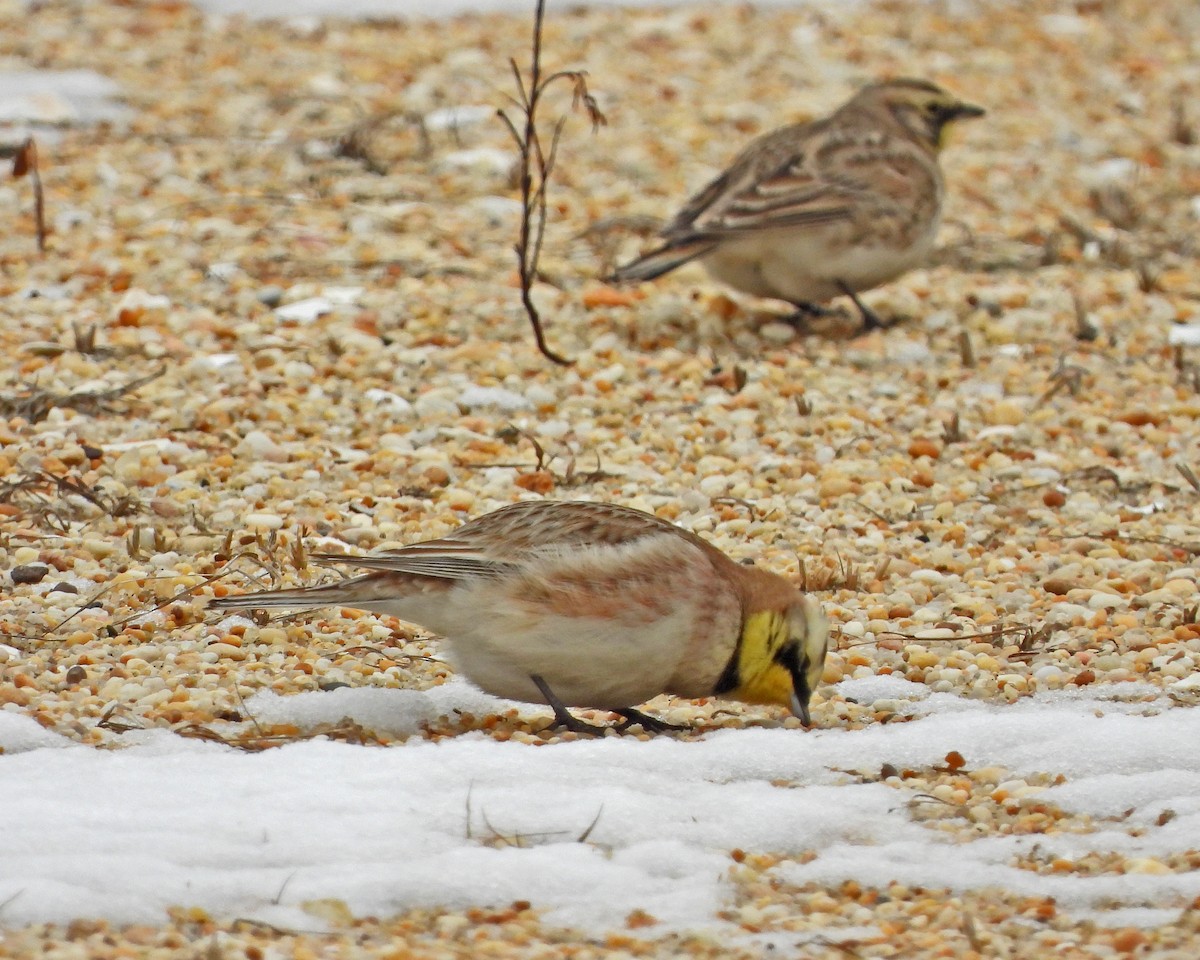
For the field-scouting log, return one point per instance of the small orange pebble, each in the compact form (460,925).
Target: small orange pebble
(640,918)
(367,323)
(723,306)
(600,296)
(1128,940)
(955,761)
(1054,498)
(536,481)
(924,447)
(1141,418)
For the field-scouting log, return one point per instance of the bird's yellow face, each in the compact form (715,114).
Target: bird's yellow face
(927,110)
(782,655)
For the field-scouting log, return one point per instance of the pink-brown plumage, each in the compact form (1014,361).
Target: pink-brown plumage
(608,605)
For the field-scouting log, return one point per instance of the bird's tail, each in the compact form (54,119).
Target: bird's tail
(301,598)
(663,260)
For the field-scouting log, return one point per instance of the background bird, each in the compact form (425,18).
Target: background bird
(590,605)
(814,210)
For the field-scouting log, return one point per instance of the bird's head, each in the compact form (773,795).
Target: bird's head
(924,109)
(781,656)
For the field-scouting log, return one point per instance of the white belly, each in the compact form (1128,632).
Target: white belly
(810,265)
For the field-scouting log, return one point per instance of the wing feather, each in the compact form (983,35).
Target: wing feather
(804,175)
(507,541)
(443,566)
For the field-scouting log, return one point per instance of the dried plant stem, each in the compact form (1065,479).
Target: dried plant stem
(536,163)
(25,163)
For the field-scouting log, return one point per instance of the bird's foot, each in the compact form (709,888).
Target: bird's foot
(635,718)
(870,319)
(804,312)
(565,720)
(562,716)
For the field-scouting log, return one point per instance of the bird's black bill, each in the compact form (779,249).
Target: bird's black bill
(964,111)
(800,695)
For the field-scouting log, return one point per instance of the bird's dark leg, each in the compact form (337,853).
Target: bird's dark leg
(645,721)
(562,716)
(804,312)
(870,318)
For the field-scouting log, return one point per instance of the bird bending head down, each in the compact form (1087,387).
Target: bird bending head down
(590,605)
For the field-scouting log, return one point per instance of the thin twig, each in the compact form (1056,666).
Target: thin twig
(535,166)
(25,163)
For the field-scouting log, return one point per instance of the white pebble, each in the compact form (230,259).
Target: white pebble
(777,333)
(392,402)
(305,311)
(264,521)
(475,396)
(261,446)
(483,159)
(434,406)
(541,396)
(455,118)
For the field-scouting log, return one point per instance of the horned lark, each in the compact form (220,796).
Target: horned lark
(813,210)
(591,605)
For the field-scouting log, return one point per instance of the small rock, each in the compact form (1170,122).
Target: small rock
(1060,586)
(777,332)
(270,296)
(506,400)
(29,573)
(261,446)
(457,117)
(305,311)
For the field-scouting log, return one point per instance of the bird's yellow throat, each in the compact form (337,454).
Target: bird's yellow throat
(761,679)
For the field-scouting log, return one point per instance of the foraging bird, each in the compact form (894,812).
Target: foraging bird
(814,210)
(590,605)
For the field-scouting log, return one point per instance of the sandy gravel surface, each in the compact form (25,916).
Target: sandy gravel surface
(301,240)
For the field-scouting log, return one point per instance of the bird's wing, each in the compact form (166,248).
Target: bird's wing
(444,565)
(797,176)
(502,543)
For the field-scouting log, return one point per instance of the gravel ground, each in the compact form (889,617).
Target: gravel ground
(278,309)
